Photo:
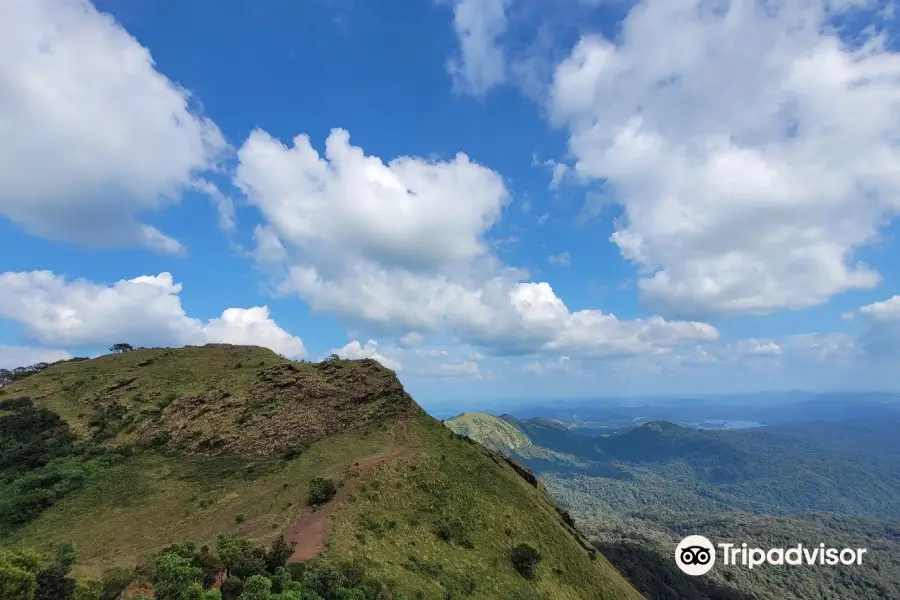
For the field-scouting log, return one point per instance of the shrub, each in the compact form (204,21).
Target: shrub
(452,530)
(294,451)
(239,518)
(321,490)
(114,581)
(525,560)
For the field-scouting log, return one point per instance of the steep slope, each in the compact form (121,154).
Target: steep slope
(126,454)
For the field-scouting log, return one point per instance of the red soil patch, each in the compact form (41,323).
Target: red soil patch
(311,530)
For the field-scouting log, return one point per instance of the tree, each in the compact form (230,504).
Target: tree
(195,591)
(121,348)
(279,554)
(321,490)
(173,575)
(525,560)
(18,574)
(52,582)
(257,587)
(88,590)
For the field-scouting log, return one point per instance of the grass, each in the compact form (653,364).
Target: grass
(150,501)
(390,524)
(484,427)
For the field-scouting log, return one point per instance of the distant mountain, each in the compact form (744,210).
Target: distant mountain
(493,432)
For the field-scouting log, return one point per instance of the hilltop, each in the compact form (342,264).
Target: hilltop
(125,455)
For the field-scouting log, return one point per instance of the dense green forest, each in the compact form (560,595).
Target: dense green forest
(185,572)
(638,493)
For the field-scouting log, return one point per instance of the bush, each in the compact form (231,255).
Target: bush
(239,518)
(321,490)
(525,560)
(294,451)
(114,581)
(452,530)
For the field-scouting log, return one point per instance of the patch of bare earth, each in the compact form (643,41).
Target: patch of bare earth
(310,530)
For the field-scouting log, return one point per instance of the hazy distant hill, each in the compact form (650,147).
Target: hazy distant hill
(127,454)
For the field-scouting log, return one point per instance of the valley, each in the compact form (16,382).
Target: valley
(638,490)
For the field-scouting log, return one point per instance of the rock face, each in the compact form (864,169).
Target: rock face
(287,404)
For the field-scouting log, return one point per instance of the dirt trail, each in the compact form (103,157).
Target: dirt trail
(311,529)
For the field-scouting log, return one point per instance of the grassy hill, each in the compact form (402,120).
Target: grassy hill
(125,455)
(488,430)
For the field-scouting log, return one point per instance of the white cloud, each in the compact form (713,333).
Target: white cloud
(23,356)
(562,364)
(887,311)
(413,338)
(142,311)
(462,369)
(481,64)
(563,259)
(401,247)
(883,320)
(91,135)
(253,326)
(355,350)
(409,213)
(752,151)
(559,171)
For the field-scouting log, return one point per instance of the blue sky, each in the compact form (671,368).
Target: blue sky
(495,198)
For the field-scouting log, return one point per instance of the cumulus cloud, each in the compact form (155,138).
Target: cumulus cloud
(400,247)
(409,213)
(22,356)
(143,311)
(91,135)
(252,326)
(481,63)
(883,319)
(355,350)
(752,149)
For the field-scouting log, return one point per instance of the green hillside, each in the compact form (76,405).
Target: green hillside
(506,434)
(489,431)
(124,455)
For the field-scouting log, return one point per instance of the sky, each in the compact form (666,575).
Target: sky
(498,199)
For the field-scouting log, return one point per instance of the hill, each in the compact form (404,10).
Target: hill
(126,455)
(488,430)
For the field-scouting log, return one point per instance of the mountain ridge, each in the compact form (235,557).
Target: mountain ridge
(132,449)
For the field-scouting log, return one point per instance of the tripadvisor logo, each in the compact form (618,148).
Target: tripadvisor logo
(696,555)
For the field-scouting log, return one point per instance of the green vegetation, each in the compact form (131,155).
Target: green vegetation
(504,434)
(321,490)
(149,447)
(637,494)
(489,430)
(525,560)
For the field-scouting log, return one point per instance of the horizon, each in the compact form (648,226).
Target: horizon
(494,198)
